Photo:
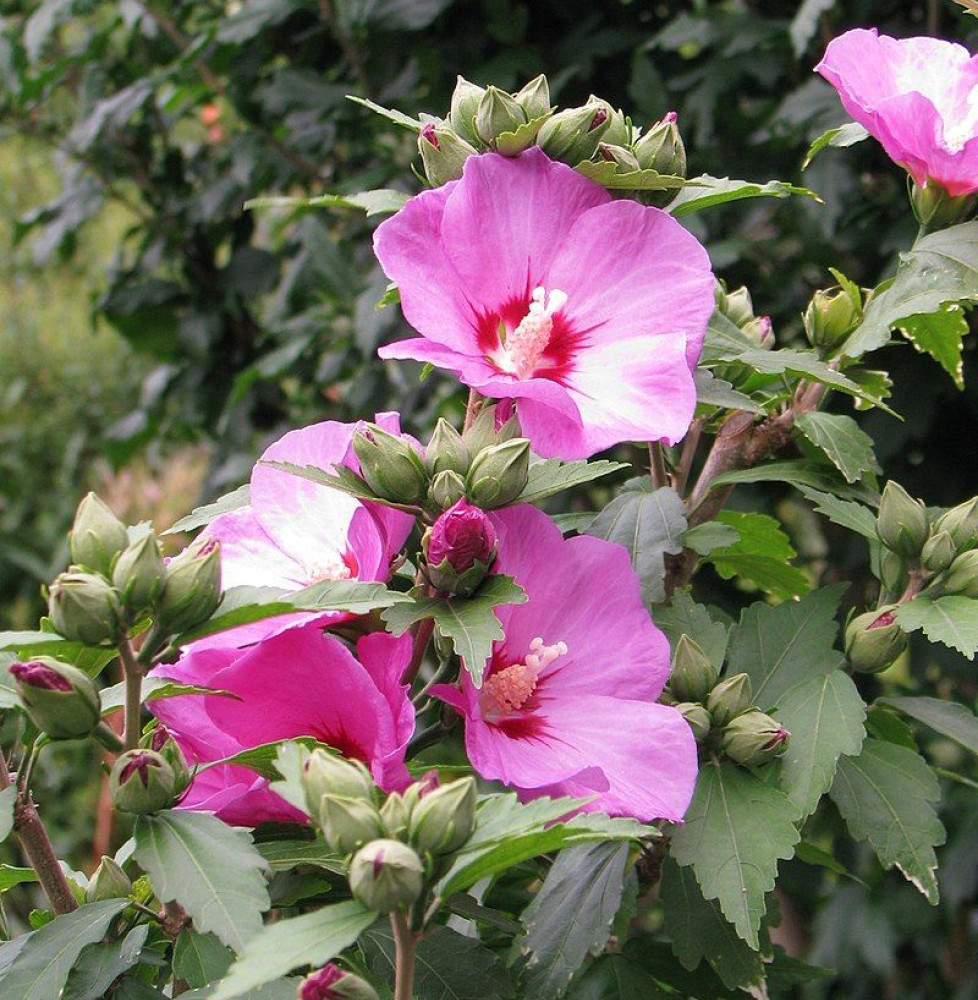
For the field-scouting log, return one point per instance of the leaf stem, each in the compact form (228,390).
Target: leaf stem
(134,701)
(405,945)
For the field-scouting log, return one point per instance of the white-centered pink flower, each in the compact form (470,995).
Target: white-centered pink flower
(917,96)
(531,283)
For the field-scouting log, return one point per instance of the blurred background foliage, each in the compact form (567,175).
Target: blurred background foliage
(155,334)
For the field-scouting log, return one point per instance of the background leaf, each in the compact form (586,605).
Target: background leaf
(846,445)
(948,718)
(951,620)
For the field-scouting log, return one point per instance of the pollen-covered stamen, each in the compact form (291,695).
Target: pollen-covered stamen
(328,567)
(508,690)
(523,347)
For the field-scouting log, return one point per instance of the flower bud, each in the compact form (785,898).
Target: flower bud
(444,819)
(902,521)
(192,589)
(326,773)
(446,451)
(737,306)
(139,573)
(962,577)
(391,467)
(84,607)
(109,881)
(893,571)
(162,742)
(831,316)
(874,640)
(332,983)
(730,698)
(573,135)
(347,823)
(61,700)
(934,208)
(97,536)
(142,781)
(534,98)
(938,551)
(499,474)
(661,148)
(386,875)
(617,130)
(395,814)
(462,539)
(497,112)
(489,428)
(443,153)
(465,103)
(698,718)
(961,523)
(753,739)
(623,157)
(761,331)
(446,489)
(693,675)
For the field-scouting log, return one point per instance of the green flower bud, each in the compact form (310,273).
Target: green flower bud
(625,159)
(444,819)
(139,573)
(831,316)
(738,306)
(446,489)
(617,131)
(141,781)
(902,521)
(386,875)
(192,589)
(97,536)
(893,571)
(753,739)
(573,135)
(443,153)
(482,432)
(935,208)
(499,474)
(162,742)
(109,881)
(938,551)
(391,467)
(693,675)
(962,577)
(61,700)
(326,773)
(447,450)
(497,112)
(84,607)
(332,983)
(534,98)
(661,149)
(395,815)
(698,718)
(760,330)
(347,823)
(465,103)
(961,523)
(874,640)
(730,698)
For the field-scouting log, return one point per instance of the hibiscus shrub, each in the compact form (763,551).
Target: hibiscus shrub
(390,727)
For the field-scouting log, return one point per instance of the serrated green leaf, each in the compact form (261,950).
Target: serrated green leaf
(200,958)
(939,334)
(735,831)
(91,659)
(616,977)
(948,718)
(704,538)
(312,939)
(10,875)
(799,472)
(845,513)
(200,516)
(886,795)
(553,476)
(514,142)
(843,442)
(99,965)
(698,930)
(263,759)
(659,961)
(951,620)
(155,688)
(713,391)
(844,135)
(283,855)
(649,526)
(724,340)
(608,174)
(705,192)
(213,870)
(685,617)
(8,800)
(825,716)
(341,478)
(800,364)
(382,201)
(779,647)
(413,124)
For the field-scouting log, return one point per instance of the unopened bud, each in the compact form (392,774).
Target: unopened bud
(332,983)
(661,148)
(108,881)
(141,782)
(447,450)
(573,135)
(459,548)
(391,467)
(97,536)
(830,317)
(698,717)
(499,474)
(935,208)
(893,571)
(347,823)
(938,552)
(192,589)
(84,607)
(737,306)
(962,577)
(489,428)
(444,818)
(443,153)
(61,700)
(617,130)
(386,875)
(693,675)
(534,98)
(162,742)
(446,489)
(497,112)
(961,523)
(730,698)
(874,640)
(139,573)
(623,157)
(326,773)
(465,103)
(902,521)
(395,814)
(753,739)
(761,331)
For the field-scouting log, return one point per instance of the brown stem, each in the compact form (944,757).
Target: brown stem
(134,701)
(405,945)
(657,466)
(690,444)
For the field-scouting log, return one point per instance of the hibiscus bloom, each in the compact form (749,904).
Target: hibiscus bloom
(531,283)
(917,96)
(300,682)
(568,702)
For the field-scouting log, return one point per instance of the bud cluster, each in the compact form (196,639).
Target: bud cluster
(738,307)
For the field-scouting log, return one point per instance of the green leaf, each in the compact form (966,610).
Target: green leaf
(948,718)
(553,476)
(940,267)
(396,117)
(844,443)
(91,659)
(382,201)
(800,364)
(939,334)
(705,192)
(284,855)
(658,959)
(101,964)
(779,647)
(200,516)
(290,763)
(616,977)
(609,175)
(469,622)
(213,870)
(886,795)
(799,472)
(8,799)
(845,513)
(9,698)
(844,135)
(685,617)
(698,930)
(263,758)
(11,875)
(952,621)
(713,391)
(200,958)
(340,478)
(570,917)
(736,830)
(277,949)
(704,538)
(40,969)
(825,716)
(724,340)
(514,142)
(155,688)
(648,525)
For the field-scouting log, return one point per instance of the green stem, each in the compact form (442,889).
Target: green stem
(134,691)
(405,947)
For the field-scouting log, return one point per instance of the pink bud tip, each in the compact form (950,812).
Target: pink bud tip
(427,783)
(670,118)
(160,735)
(137,764)
(462,535)
(379,863)
(317,986)
(39,675)
(600,117)
(781,736)
(884,620)
(428,134)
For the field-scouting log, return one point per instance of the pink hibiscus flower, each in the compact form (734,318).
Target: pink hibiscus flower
(530,283)
(917,96)
(300,682)
(568,704)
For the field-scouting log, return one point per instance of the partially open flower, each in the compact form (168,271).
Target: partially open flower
(461,540)
(332,983)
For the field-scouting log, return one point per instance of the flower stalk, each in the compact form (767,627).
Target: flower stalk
(406,946)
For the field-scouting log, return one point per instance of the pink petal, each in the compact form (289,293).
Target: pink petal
(249,556)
